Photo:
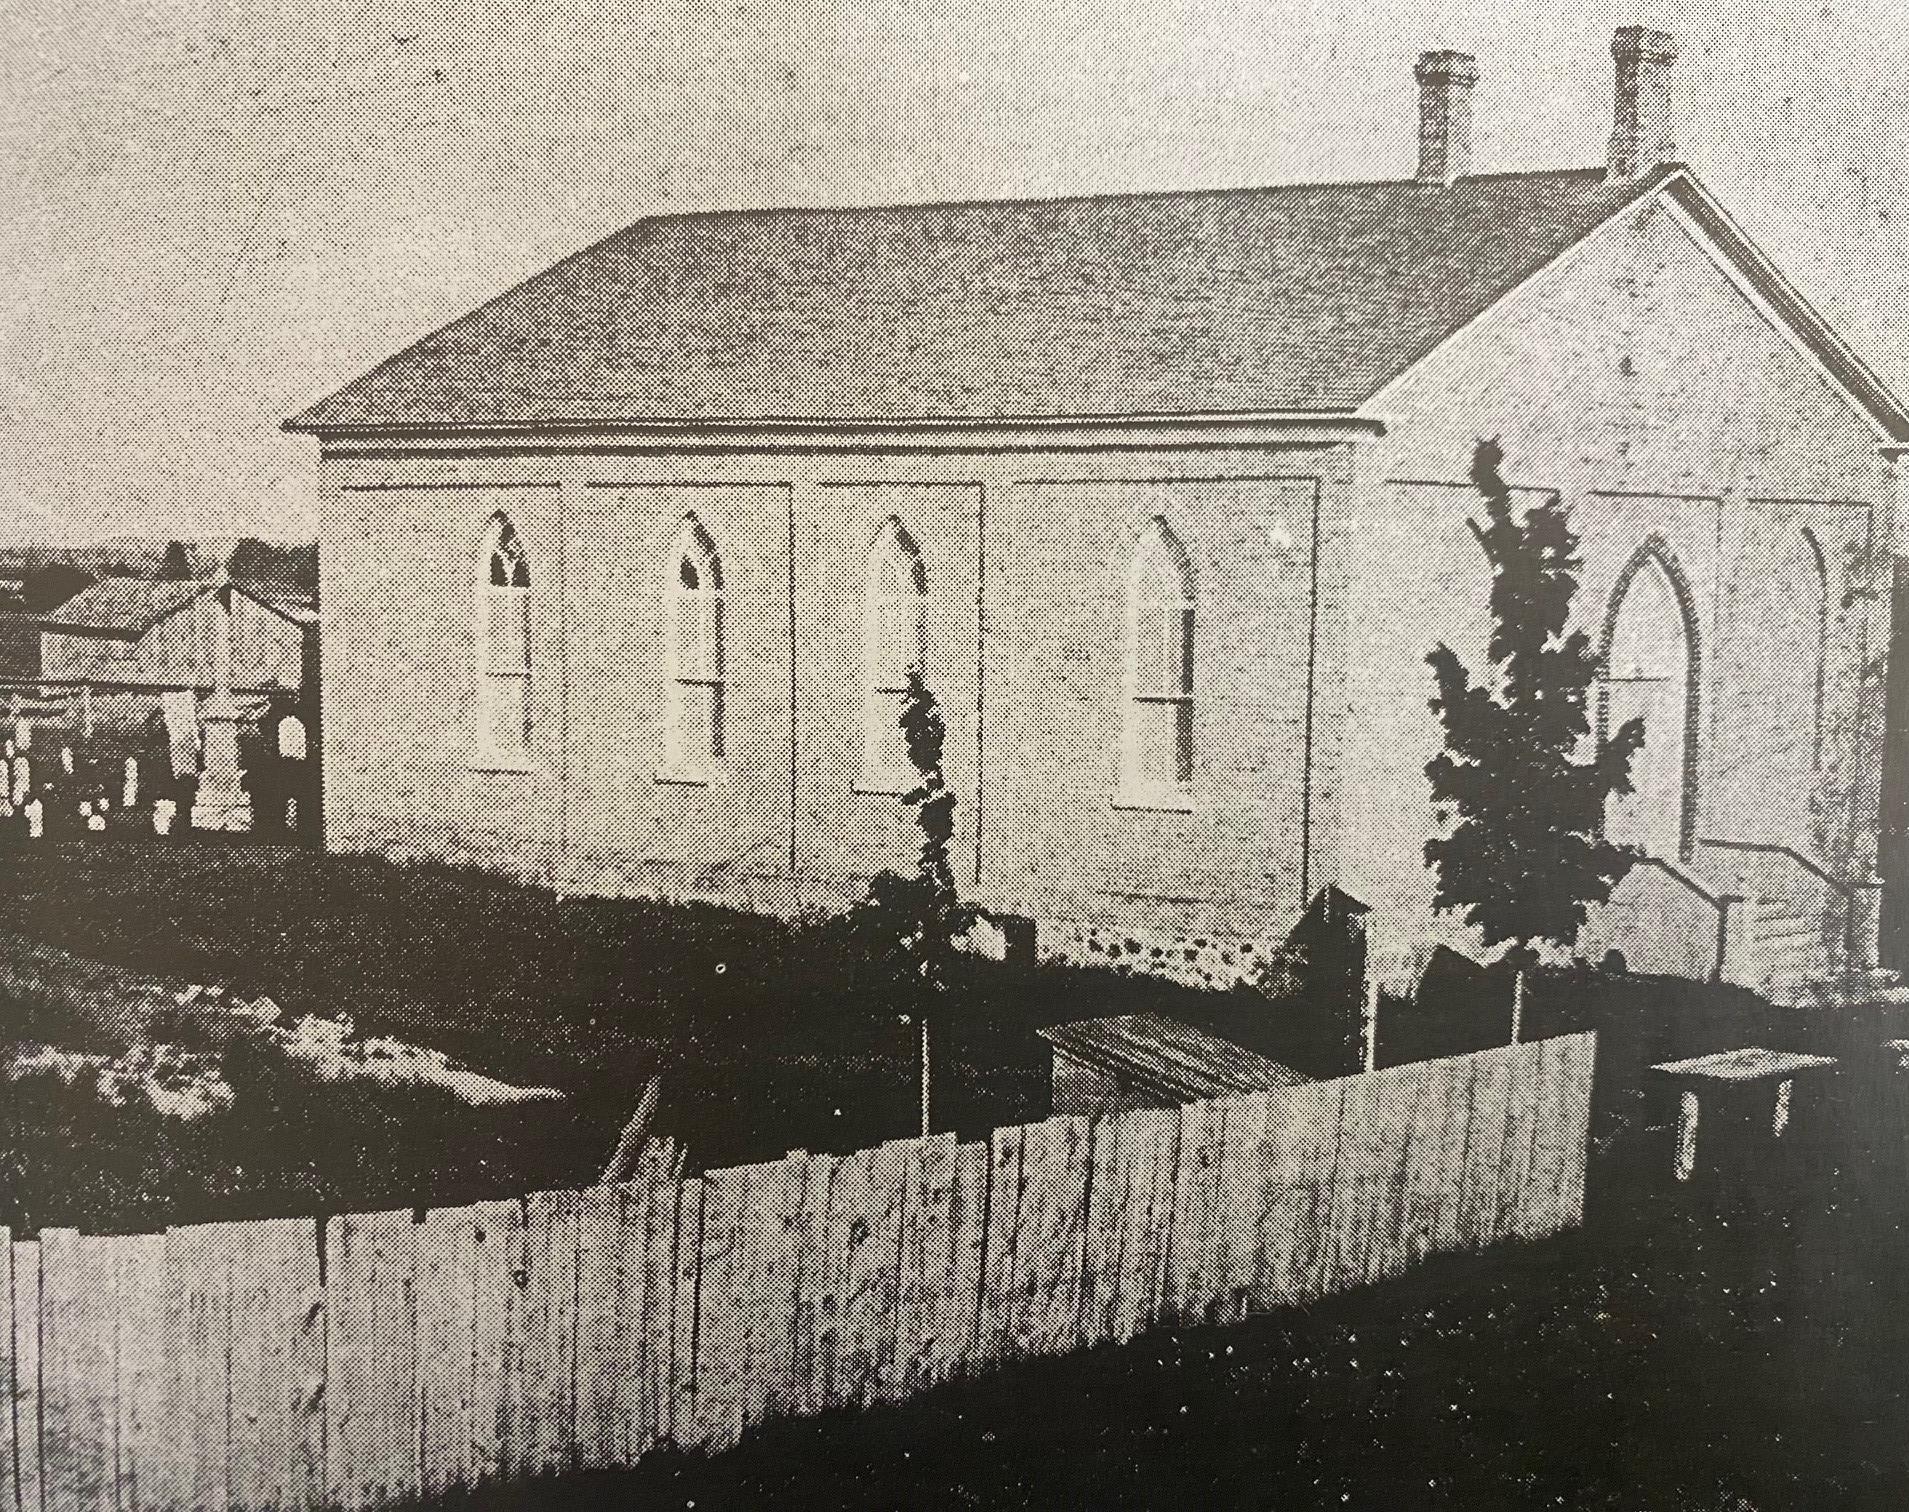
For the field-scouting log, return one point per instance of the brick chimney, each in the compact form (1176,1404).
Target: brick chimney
(1445,82)
(1643,133)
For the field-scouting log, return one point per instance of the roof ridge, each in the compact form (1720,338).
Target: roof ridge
(1111,196)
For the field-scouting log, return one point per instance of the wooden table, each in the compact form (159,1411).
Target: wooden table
(1729,1072)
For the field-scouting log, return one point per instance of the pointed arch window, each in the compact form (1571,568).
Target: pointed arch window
(503,646)
(1157,724)
(1652,671)
(894,635)
(693,655)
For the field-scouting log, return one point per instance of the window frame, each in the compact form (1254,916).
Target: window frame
(1159,552)
(693,546)
(501,545)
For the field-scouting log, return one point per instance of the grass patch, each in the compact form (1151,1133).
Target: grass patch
(768,1035)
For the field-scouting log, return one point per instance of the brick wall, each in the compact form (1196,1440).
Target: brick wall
(1026,558)
(1636,381)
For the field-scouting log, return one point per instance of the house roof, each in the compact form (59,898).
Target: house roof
(1167,1058)
(1305,298)
(122,606)
(126,608)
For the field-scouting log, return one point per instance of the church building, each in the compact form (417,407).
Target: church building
(1166,494)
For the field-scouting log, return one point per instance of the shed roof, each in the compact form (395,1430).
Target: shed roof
(1170,1059)
(1303,298)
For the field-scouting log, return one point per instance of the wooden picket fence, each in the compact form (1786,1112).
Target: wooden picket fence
(265,1365)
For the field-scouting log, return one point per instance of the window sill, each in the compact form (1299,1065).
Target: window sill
(883,785)
(682,777)
(1154,802)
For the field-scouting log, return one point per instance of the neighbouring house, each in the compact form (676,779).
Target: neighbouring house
(132,653)
(1167,495)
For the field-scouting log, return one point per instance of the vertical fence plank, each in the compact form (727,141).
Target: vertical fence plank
(198,1327)
(925,1296)
(26,1373)
(143,1438)
(1449,1176)
(685,1292)
(371,1337)
(1051,1230)
(774,1231)
(497,1237)
(1484,1147)
(544,1423)
(9,1463)
(1579,1060)
(1148,1245)
(1314,1255)
(604,1352)
(1525,1088)
(1191,1246)
(1439,1084)
(1551,1120)
(1395,1157)
(958,1344)
(658,1244)
(996,1330)
(1282,1200)
(1236,1231)
(447,1332)
(872,1246)
(77,1370)
(723,1327)
(276,1447)
(818,1288)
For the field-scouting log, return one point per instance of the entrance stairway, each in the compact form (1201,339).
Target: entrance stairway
(1807,939)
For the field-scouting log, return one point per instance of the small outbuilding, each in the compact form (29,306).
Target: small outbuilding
(1145,1060)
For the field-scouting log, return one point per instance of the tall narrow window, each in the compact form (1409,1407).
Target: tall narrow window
(693,655)
(1157,733)
(503,647)
(893,641)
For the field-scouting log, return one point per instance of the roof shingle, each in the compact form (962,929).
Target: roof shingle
(1303,298)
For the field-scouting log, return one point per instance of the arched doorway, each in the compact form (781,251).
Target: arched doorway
(1650,673)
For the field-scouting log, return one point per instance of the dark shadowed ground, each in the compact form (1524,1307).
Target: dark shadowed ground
(1625,1371)
(768,1036)
(1740,1345)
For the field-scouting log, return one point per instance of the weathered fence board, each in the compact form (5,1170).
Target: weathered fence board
(9,1457)
(198,1311)
(224,1366)
(497,1241)
(447,1299)
(542,1423)
(276,1352)
(145,1471)
(78,1366)
(372,1437)
(26,1373)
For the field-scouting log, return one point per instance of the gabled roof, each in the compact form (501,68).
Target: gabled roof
(121,606)
(1299,299)
(126,608)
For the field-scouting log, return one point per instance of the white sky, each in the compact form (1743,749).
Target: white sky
(215,211)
